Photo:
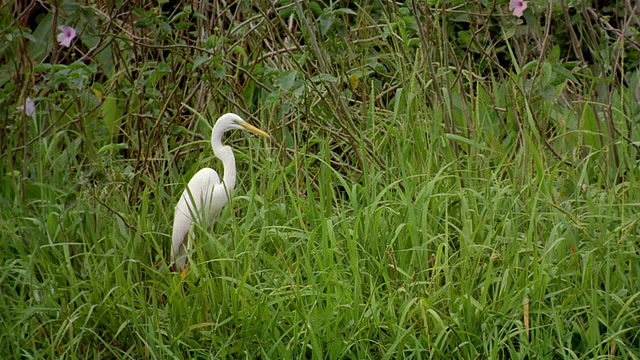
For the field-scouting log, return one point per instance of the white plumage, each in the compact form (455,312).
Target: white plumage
(205,195)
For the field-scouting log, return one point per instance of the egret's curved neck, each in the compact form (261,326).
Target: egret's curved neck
(225,154)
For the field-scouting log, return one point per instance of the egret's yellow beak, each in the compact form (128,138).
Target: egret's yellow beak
(254,130)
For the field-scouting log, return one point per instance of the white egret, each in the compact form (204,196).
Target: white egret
(205,195)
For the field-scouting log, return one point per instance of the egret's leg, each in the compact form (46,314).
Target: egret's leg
(185,271)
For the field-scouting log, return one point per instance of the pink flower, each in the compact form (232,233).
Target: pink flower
(518,7)
(66,36)
(29,107)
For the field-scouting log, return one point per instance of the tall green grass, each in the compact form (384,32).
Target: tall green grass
(419,213)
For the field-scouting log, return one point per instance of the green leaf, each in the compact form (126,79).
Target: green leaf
(590,130)
(464,140)
(325,21)
(111,113)
(40,48)
(113,147)
(344,11)
(324,77)
(562,71)
(42,67)
(286,79)
(201,60)
(272,98)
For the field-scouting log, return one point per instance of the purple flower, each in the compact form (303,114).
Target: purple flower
(67,35)
(518,7)
(29,107)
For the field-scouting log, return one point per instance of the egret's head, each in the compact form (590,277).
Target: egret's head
(232,121)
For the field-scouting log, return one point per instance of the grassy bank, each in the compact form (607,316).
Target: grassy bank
(426,194)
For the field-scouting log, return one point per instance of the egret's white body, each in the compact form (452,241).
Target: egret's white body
(205,195)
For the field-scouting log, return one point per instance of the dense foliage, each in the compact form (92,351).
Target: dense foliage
(445,179)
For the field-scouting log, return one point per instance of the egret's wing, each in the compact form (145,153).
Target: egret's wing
(195,205)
